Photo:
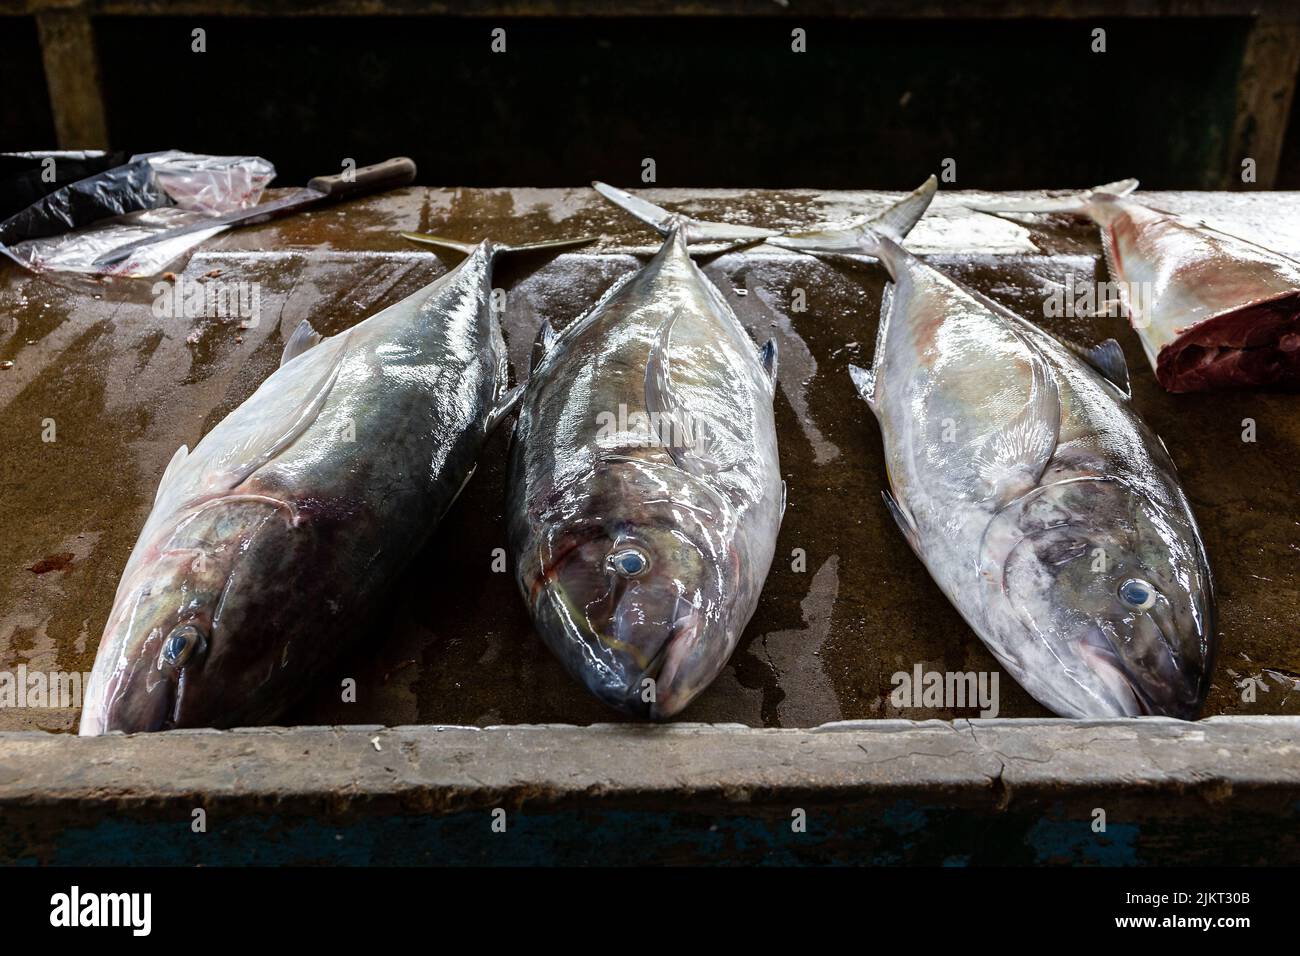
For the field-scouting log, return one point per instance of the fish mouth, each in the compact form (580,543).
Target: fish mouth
(1130,695)
(131,709)
(1127,697)
(639,678)
(141,697)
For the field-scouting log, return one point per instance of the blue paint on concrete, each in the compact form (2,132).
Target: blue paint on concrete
(904,832)
(1073,841)
(614,837)
(906,817)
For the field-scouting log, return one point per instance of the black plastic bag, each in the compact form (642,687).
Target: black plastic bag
(26,178)
(122,189)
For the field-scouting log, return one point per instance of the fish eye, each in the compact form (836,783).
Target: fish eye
(628,561)
(1137,594)
(180,645)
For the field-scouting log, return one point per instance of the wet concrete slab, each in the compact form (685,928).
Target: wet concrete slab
(102,391)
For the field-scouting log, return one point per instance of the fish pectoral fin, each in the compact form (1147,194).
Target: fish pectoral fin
(677,430)
(544,342)
(282,431)
(303,338)
(903,520)
(864,380)
(688,449)
(767,355)
(1108,359)
(173,466)
(504,407)
(1010,460)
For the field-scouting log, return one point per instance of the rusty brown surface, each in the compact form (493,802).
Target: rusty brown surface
(124,389)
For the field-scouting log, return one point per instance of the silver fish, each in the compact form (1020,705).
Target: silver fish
(1043,507)
(269,544)
(645,494)
(1212,310)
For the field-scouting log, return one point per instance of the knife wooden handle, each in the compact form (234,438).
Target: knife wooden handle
(391,173)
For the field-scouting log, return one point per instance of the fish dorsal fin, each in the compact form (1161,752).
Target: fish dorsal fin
(264,443)
(1010,459)
(677,432)
(173,466)
(303,338)
(1108,359)
(544,342)
(767,357)
(864,381)
(503,407)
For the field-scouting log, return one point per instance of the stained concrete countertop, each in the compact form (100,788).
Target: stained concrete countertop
(125,388)
(1030,791)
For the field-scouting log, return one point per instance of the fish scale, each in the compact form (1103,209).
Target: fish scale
(644,486)
(273,541)
(1044,508)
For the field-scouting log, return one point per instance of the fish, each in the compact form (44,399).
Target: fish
(270,545)
(644,490)
(1212,310)
(1047,512)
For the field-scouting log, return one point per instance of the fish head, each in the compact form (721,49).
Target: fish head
(166,658)
(634,585)
(1113,585)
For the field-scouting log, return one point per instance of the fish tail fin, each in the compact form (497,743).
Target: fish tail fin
(504,248)
(693,230)
(466,248)
(863,234)
(897,221)
(1076,204)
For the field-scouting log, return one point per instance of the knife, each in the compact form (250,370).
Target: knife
(390,174)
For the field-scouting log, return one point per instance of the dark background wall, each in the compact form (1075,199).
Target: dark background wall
(25,121)
(714,101)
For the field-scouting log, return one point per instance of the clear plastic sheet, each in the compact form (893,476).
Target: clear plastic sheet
(151,194)
(211,184)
